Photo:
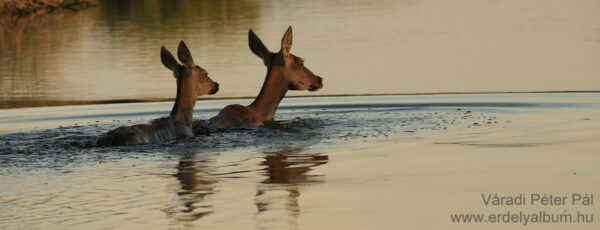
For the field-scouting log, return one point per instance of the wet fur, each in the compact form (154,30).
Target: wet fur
(192,81)
(236,116)
(161,129)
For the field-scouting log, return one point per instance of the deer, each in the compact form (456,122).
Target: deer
(192,81)
(285,71)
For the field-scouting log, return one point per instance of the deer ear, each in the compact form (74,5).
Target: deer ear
(184,55)
(167,59)
(258,48)
(286,42)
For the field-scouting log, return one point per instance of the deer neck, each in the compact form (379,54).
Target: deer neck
(273,90)
(184,102)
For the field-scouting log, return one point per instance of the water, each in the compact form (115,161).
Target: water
(330,162)
(111,52)
(54,177)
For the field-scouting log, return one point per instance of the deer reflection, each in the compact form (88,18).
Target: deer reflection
(287,172)
(195,183)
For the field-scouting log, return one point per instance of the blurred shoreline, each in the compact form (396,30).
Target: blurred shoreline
(20,8)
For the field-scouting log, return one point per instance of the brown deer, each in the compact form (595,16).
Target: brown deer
(192,81)
(285,72)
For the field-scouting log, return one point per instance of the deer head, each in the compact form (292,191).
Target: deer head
(188,75)
(297,76)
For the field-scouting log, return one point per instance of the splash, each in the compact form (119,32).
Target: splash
(328,127)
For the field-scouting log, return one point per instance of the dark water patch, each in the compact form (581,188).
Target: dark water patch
(315,127)
(77,117)
(339,108)
(141,113)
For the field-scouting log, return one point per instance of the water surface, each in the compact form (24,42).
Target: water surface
(111,52)
(375,161)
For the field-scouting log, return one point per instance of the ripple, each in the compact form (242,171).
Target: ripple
(186,179)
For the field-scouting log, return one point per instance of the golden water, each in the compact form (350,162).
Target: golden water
(111,52)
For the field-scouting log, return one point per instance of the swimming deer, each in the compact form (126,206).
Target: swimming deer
(285,72)
(192,81)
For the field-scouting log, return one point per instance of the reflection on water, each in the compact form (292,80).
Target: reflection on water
(111,51)
(64,57)
(287,172)
(278,177)
(177,17)
(30,67)
(285,167)
(196,183)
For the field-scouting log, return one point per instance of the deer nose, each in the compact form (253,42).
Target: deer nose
(320,81)
(317,85)
(215,88)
